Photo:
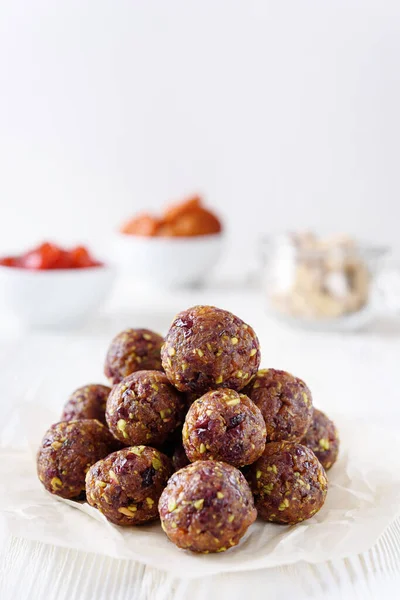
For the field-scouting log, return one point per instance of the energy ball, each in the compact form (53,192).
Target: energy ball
(127,484)
(207,348)
(323,439)
(288,482)
(285,402)
(144,408)
(206,507)
(67,451)
(88,402)
(133,350)
(224,425)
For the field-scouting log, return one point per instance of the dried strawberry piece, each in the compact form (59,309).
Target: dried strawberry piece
(49,256)
(9,261)
(43,257)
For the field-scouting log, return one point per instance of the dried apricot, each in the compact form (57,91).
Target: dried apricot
(143,224)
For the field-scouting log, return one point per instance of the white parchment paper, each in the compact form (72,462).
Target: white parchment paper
(363,499)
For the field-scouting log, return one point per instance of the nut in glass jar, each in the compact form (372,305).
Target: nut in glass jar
(314,281)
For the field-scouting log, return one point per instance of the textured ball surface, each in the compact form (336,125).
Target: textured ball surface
(207,348)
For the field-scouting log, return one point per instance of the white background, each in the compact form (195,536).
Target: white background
(285,114)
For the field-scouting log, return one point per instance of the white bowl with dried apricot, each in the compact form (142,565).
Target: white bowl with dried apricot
(178,248)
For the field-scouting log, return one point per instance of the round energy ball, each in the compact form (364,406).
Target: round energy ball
(224,425)
(133,350)
(87,402)
(323,439)
(288,482)
(127,484)
(144,408)
(206,507)
(207,348)
(67,451)
(285,402)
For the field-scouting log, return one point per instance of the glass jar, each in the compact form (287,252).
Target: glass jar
(320,283)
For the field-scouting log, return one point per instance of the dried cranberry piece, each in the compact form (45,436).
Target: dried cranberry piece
(147,476)
(236,420)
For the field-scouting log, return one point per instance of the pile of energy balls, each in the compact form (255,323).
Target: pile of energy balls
(193,433)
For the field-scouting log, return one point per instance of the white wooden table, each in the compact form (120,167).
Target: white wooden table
(355,374)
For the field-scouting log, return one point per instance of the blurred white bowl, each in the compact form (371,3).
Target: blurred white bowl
(53,298)
(167,261)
